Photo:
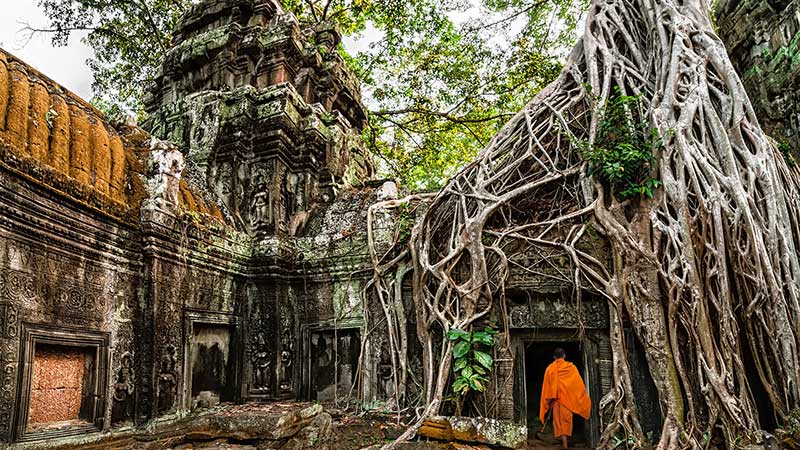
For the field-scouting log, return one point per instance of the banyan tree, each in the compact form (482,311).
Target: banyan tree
(703,237)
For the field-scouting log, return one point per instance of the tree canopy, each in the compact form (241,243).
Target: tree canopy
(439,77)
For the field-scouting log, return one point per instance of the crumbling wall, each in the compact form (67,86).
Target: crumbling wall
(68,267)
(763,41)
(42,121)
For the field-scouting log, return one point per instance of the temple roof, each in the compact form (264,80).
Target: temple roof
(60,141)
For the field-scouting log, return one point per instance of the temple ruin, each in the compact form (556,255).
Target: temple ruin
(217,253)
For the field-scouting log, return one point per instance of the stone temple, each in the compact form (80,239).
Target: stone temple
(217,254)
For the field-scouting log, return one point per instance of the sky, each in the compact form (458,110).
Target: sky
(65,65)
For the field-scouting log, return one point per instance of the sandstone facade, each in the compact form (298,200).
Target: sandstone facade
(221,255)
(763,41)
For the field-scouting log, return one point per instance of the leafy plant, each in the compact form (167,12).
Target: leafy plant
(786,150)
(622,153)
(624,442)
(405,223)
(471,361)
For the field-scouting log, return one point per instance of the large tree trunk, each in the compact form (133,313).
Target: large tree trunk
(705,271)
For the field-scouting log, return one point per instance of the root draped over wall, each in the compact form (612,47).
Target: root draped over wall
(705,272)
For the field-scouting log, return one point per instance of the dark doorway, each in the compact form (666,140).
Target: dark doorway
(334,360)
(212,365)
(538,355)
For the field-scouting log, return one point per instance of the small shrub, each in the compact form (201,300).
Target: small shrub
(622,152)
(786,150)
(472,361)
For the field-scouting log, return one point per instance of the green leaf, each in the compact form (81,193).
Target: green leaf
(466,372)
(460,385)
(461,349)
(460,364)
(483,359)
(483,337)
(455,334)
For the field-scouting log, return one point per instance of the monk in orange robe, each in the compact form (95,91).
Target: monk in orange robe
(563,391)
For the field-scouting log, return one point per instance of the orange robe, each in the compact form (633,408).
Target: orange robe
(563,383)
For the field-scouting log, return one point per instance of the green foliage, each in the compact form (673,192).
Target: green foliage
(129,39)
(624,442)
(405,223)
(786,150)
(471,359)
(440,77)
(439,90)
(622,154)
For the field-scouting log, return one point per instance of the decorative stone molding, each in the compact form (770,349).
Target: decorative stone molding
(94,341)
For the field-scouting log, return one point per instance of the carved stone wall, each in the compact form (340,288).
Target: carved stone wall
(58,266)
(763,41)
(249,218)
(266,111)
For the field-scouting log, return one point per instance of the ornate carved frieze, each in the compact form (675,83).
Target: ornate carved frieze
(531,309)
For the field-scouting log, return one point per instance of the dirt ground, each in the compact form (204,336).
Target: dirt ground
(270,426)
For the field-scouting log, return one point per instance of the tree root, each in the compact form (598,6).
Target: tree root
(705,271)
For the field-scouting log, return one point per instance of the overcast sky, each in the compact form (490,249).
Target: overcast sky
(66,65)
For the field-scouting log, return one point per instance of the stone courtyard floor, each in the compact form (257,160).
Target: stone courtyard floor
(263,426)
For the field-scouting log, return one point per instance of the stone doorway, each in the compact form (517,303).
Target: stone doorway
(533,352)
(538,355)
(211,359)
(63,383)
(334,357)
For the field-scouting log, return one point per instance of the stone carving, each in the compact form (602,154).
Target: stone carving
(168,380)
(261,365)
(243,117)
(286,372)
(287,349)
(164,175)
(123,389)
(9,320)
(7,400)
(261,208)
(60,299)
(123,385)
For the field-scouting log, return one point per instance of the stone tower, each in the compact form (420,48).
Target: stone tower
(266,111)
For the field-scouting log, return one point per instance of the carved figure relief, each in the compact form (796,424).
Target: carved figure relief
(261,208)
(286,372)
(166,166)
(123,389)
(167,380)
(261,364)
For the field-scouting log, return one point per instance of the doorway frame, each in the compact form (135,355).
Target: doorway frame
(191,317)
(97,342)
(591,375)
(327,326)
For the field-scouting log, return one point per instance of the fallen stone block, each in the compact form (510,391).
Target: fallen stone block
(480,430)
(252,427)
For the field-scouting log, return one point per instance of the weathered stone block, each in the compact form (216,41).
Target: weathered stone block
(475,429)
